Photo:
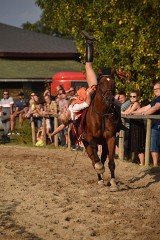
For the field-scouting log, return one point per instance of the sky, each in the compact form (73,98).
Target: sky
(17,12)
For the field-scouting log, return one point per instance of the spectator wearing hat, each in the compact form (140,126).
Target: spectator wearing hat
(70,93)
(47,92)
(21,107)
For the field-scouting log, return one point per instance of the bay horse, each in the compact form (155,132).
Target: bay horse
(100,128)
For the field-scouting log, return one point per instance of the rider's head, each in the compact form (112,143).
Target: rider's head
(65,117)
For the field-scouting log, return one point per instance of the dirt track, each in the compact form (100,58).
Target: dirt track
(44,197)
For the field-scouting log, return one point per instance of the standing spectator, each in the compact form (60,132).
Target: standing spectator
(32,101)
(6,109)
(62,102)
(136,138)
(70,93)
(59,87)
(125,103)
(153,108)
(50,108)
(37,106)
(35,109)
(62,106)
(32,106)
(48,93)
(21,108)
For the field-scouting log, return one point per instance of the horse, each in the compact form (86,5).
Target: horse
(100,129)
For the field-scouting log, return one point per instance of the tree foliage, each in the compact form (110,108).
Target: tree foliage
(127,34)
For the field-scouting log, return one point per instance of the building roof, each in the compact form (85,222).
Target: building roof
(16,42)
(30,56)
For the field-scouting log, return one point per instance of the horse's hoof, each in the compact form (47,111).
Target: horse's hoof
(99,167)
(101,182)
(113,187)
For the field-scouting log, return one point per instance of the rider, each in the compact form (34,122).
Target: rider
(70,114)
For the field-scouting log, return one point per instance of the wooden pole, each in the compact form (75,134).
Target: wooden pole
(44,129)
(69,140)
(55,136)
(121,145)
(121,142)
(33,132)
(148,142)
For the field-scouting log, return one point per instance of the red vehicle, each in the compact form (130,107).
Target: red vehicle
(68,79)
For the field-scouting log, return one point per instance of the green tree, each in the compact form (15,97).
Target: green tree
(127,34)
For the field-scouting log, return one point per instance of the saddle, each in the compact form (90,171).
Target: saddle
(78,127)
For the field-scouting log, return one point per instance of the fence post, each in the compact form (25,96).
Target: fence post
(33,132)
(121,142)
(55,136)
(44,129)
(69,140)
(121,145)
(148,142)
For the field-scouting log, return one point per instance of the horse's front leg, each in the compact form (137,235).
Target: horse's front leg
(92,150)
(111,163)
(103,159)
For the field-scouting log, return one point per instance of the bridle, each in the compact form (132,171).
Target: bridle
(108,99)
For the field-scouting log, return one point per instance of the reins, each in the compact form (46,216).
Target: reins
(99,113)
(110,106)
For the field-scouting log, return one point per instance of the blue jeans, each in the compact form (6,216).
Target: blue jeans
(155,140)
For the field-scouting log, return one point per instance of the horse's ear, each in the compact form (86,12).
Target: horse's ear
(99,77)
(107,72)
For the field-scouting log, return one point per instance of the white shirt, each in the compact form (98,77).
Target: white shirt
(77,108)
(6,102)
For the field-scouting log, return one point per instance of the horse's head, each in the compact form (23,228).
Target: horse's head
(106,88)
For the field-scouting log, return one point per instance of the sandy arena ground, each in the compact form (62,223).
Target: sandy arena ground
(49,194)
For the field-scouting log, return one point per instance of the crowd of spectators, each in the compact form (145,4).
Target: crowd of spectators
(14,111)
(36,107)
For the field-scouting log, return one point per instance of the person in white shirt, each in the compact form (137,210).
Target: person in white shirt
(6,109)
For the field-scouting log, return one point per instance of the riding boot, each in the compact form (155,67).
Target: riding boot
(89,46)
(89,52)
